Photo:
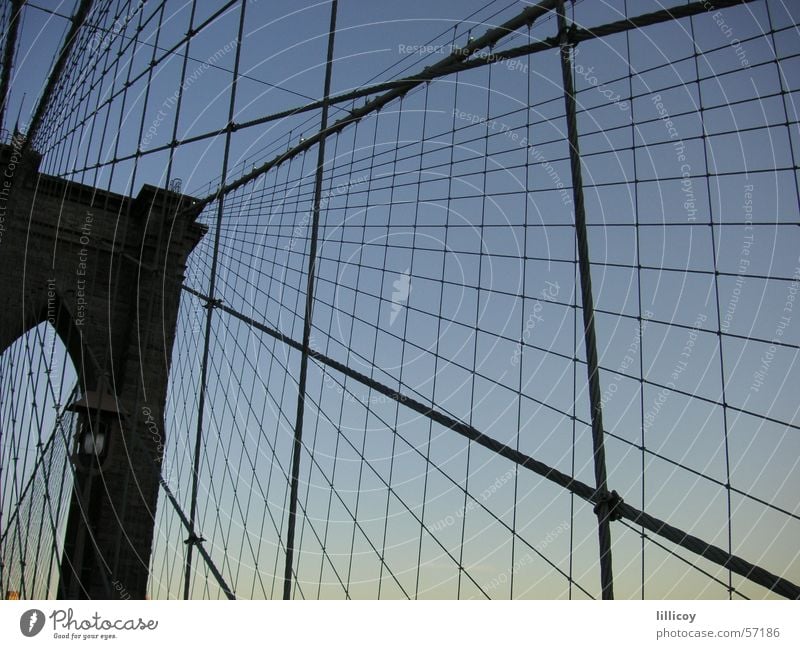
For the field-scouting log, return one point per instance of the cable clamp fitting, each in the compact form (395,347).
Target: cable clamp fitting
(612,500)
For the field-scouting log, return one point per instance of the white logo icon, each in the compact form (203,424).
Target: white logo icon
(402,289)
(31,622)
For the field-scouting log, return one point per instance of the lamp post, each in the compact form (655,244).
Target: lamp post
(98,423)
(98,418)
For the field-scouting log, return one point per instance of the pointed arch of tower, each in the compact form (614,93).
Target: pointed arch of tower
(37,378)
(105,270)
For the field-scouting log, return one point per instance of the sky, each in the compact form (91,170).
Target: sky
(447,270)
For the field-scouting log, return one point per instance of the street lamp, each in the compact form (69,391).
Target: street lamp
(98,416)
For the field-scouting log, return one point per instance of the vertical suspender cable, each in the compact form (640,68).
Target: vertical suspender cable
(584,267)
(8,55)
(193,538)
(312,262)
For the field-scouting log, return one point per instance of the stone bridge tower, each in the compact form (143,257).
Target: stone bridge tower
(105,270)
